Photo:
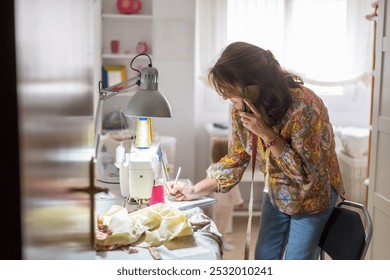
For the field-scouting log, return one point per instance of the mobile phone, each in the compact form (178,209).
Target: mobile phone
(245,107)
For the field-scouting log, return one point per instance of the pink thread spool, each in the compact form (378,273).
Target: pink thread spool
(157,195)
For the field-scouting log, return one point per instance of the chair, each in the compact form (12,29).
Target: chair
(346,235)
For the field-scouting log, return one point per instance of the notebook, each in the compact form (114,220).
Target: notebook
(185,205)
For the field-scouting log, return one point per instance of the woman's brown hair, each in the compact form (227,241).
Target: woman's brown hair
(242,65)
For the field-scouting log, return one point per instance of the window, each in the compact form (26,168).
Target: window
(326,42)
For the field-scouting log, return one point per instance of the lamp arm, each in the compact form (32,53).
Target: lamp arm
(111,91)
(97,115)
(119,88)
(105,94)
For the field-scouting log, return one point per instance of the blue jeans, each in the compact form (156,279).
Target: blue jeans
(296,237)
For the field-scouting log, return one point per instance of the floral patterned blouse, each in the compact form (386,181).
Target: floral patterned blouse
(300,180)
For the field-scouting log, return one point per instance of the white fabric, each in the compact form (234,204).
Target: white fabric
(151,226)
(204,244)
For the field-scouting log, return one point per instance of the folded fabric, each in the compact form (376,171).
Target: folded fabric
(151,226)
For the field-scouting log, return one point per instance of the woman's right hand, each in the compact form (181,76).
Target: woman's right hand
(182,191)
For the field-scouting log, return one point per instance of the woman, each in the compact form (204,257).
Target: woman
(296,151)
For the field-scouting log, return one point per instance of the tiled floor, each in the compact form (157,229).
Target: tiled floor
(238,236)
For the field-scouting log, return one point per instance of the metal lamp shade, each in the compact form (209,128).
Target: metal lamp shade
(149,102)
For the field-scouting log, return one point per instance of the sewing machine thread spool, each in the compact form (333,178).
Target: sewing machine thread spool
(157,194)
(143,134)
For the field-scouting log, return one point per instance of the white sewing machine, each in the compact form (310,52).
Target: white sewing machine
(138,172)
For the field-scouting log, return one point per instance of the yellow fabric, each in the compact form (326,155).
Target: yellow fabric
(151,226)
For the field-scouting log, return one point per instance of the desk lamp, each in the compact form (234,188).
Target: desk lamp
(139,167)
(147,102)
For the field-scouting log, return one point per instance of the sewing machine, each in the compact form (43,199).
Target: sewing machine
(138,173)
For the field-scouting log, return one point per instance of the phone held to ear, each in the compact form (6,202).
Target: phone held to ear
(245,107)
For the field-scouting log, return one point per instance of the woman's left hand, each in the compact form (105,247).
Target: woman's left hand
(255,123)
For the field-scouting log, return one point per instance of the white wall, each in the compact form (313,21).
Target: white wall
(173,56)
(209,108)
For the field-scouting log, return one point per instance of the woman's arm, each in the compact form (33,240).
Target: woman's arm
(302,159)
(187,192)
(254,122)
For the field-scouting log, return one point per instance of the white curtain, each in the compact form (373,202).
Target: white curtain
(259,22)
(326,42)
(212,29)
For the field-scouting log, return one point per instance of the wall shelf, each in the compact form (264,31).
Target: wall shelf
(127,17)
(122,56)
(128,30)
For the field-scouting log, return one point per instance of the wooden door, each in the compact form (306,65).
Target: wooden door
(55,64)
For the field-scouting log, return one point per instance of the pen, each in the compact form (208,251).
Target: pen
(171,197)
(177,176)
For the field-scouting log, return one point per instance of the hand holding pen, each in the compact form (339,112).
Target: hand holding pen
(169,186)
(181,191)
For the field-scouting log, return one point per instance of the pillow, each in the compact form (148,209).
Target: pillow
(354,141)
